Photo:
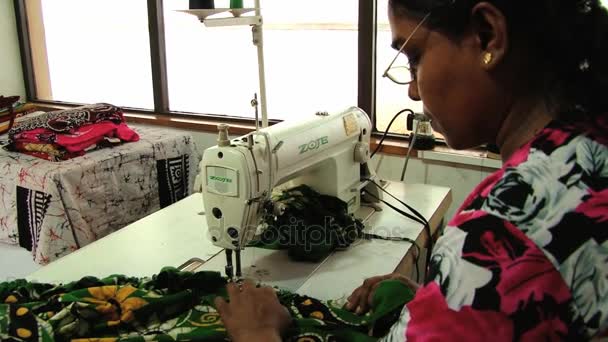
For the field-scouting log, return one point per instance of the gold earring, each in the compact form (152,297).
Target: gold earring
(487,58)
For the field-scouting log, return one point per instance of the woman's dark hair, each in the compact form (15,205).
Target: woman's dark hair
(569,37)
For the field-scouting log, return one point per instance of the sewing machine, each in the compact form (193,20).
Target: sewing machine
(328,152)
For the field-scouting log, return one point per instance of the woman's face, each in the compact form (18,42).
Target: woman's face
(457,92)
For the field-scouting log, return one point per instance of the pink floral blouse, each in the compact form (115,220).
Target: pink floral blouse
(525,258)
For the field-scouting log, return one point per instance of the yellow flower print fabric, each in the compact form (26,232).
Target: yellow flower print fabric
(171,306)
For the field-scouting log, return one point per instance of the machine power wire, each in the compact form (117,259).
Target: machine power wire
(419,218)
(392,238)
(398,238)
(410,216)
(409,151)
(388,128)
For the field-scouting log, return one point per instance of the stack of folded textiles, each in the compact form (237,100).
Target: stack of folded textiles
(65,134)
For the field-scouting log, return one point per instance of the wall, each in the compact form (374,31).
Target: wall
(461,178)
(11,74)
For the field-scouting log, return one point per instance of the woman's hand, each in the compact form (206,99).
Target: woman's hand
(360,300)
(253,314)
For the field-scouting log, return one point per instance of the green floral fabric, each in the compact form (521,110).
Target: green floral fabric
(171,306)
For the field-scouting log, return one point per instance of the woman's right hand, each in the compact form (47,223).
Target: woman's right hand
(360,301)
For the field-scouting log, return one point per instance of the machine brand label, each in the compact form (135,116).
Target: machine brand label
(220,179)
(313,144)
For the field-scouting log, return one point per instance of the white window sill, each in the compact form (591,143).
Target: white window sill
(459,158)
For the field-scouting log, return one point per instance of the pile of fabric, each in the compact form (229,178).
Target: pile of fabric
(65,134)
(312,226)
(173,306)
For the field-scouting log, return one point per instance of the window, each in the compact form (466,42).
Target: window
(310,59)
(390,97)
(86,51)
(91,51)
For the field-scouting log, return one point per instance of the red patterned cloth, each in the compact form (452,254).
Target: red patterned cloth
(63,121)
(70,132)
(79,139)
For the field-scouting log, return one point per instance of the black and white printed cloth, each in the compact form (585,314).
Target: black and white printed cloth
(54,208)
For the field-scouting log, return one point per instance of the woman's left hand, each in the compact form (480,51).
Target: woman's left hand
(361,299)
(253,314)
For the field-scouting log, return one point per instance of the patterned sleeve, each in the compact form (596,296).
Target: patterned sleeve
(487,284)
(525,257)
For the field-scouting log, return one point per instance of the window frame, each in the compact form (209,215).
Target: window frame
(366,88)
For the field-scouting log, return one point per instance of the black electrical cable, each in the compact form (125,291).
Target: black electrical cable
(405,239)
(396,238)
(421,219)
(388,129)
(414,211)
(411,217)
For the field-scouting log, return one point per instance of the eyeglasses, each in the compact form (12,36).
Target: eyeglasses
(402,74)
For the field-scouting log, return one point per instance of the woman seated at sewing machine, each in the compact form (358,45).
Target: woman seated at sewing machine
(525,256)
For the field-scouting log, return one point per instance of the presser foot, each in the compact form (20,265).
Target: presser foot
(235,277)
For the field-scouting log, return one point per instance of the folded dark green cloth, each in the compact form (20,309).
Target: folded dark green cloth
(171,306)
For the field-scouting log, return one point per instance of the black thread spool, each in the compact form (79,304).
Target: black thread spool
(202,4)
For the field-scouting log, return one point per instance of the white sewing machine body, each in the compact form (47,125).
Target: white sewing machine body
(329,153)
